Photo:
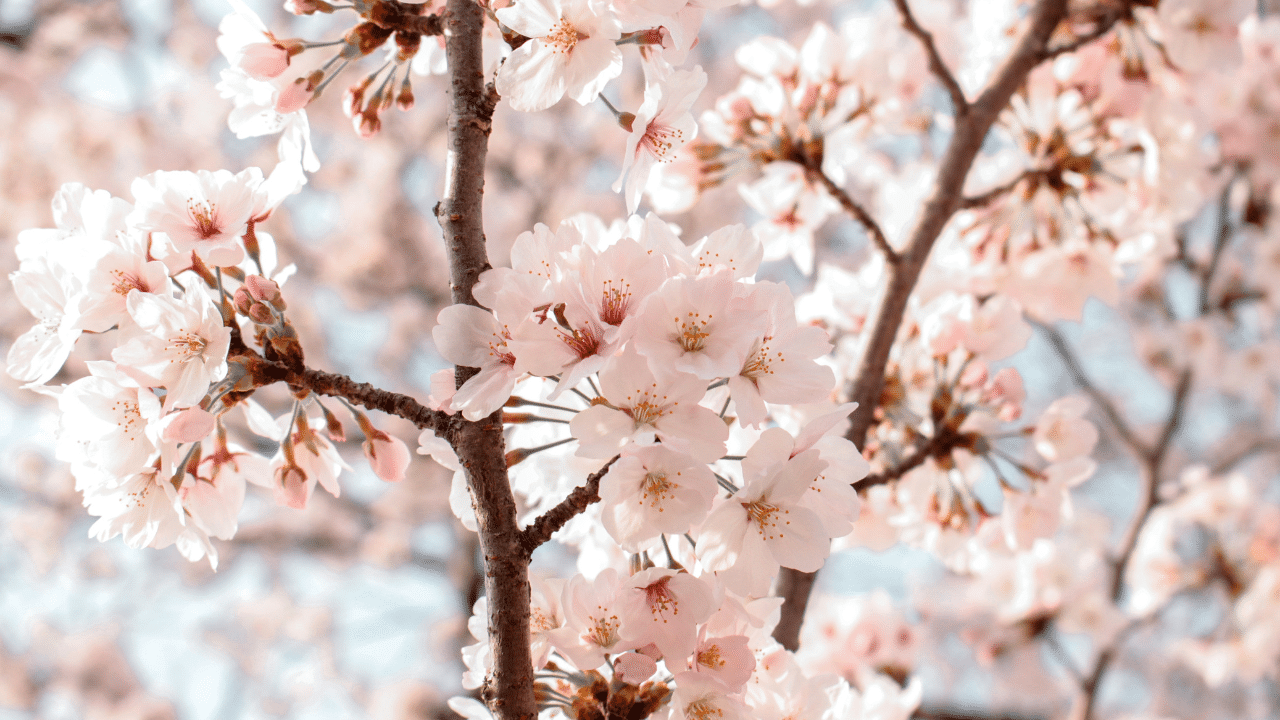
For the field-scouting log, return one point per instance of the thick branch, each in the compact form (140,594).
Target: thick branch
(552,520)
(971,130)
(936,64)
(479,445)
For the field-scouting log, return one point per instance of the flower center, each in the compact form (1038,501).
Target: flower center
(204,219)
(657,486)
(563,37)
(583,344)
(693,331)
(661,140)
(604,630)
(128,416)
(660,600)
(124,282)
(760,363)
(614,302)
(710,657)
(187,346)
(703,709)
(766,517)
(645,412)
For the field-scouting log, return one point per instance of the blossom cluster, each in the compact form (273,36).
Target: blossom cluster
(184,284)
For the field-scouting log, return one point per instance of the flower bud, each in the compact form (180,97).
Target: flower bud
(261,314)
(293,97)
(290,487)
(307,7)
(264,290)
(364,39)
(367,123)
(387,455)
(242,301)
(407,46)
(264,60)
(405,99)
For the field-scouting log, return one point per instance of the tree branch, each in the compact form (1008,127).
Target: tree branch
(1150,497)
(982,200)
(367,396)
(1078,376)
(936,65)
(858,212)
(1220,242)
(971,129)
(479,445)
(541,530)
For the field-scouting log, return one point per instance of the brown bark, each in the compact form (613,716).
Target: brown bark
(972,124)
(479,445)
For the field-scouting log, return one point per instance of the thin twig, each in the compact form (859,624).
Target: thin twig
(367,396)
(1220,242)
(858,212)
(1150,490)
(936,64)
(987,196)
(1229,462)
(541,530)
(1100,399)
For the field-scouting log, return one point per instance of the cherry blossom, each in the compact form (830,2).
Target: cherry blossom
(571,52)
(200,212)
(661,126)
(181,345)
(654,490)
(644,408)
(763,525)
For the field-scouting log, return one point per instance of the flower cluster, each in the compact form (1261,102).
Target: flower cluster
(185,284)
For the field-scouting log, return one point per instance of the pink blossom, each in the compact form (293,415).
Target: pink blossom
(1062,432)
(643,408)
(694,325)
(664,607)
(763,525)
(571,52)
(200,212)
(661,126)
(653,490)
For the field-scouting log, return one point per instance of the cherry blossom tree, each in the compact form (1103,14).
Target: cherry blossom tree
(769,304)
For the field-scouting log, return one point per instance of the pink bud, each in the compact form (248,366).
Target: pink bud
(262,289)
(388,456)
(291,488)
(367,123)
(242,301)
(974,375)
(264,60)
(293,97)
(187,426)
(261,314)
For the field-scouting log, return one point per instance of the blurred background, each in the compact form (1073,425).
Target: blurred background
(357,606)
